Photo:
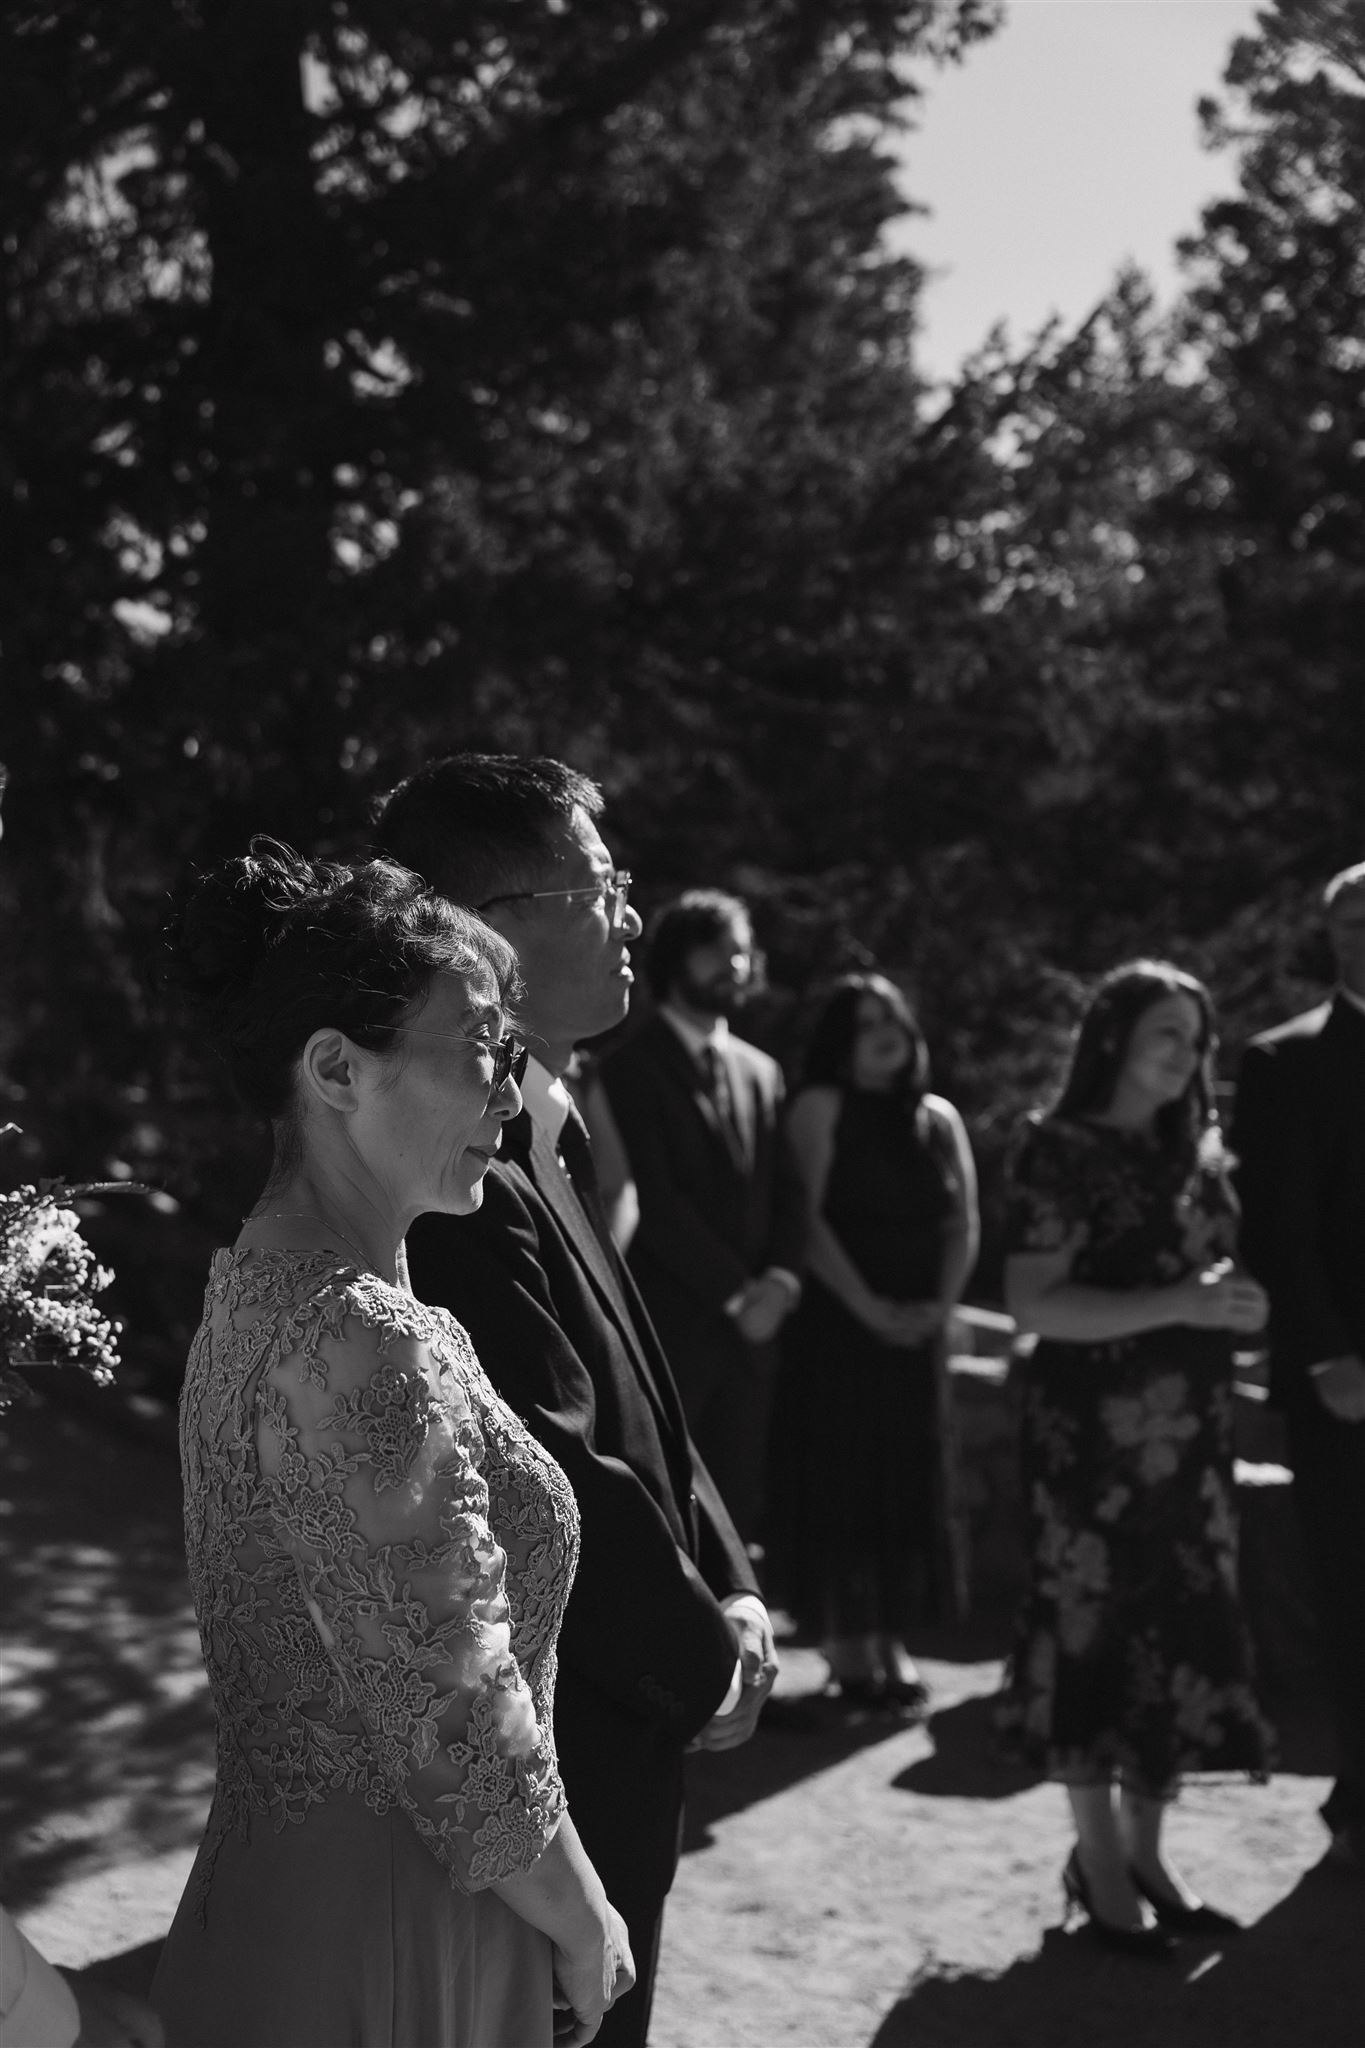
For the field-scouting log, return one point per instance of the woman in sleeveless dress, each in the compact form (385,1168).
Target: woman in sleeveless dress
(864,1530)
(379,1551)
(1131,1664)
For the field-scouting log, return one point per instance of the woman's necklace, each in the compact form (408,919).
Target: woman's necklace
(308,1216)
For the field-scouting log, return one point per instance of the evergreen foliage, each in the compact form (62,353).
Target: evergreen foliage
(381,379)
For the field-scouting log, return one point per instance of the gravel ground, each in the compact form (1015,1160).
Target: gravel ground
(847,1882)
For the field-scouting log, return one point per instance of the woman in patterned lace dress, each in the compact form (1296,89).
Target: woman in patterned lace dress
(1131,1665)
(379,1551)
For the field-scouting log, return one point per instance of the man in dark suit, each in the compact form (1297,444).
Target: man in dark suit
(1299,1135)
(665,1642)
(721,1237)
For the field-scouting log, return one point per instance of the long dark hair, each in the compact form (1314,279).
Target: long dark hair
(829,1055)
(1101,1047)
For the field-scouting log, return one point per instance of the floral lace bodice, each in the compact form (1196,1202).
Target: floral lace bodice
(380,1554)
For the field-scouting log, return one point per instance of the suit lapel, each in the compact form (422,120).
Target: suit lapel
(742,1099)
(675,1057)
(557,1191)
(1341,1077)
(1344,1030)
(539,1160)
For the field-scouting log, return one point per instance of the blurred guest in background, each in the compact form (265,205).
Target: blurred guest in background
(1299,1140)
(864,1536)
(379,1550)
(1132,1664)
(721,1235)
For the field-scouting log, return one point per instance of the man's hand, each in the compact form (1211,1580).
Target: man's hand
(1339,1384)
(752,1628)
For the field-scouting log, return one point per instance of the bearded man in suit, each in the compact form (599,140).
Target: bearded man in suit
(1299,1136)
(723,1216)
(665,1642)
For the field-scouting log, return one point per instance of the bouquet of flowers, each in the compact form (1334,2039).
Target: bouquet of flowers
(48,1278)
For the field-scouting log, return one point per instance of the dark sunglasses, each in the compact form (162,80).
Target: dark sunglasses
(509,1055)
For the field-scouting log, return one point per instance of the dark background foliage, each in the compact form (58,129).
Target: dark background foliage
(383,379)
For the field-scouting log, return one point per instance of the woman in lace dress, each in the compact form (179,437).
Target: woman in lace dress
(1131,1664)
(379,1551)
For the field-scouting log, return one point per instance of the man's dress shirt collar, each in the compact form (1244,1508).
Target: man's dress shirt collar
(546,1099)
(692,1035)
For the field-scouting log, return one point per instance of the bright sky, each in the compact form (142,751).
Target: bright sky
(1065,144)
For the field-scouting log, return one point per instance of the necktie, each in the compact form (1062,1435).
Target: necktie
(575,1149)
(717,1080)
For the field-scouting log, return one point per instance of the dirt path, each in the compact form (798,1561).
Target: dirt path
(846,1884)
(902,1890)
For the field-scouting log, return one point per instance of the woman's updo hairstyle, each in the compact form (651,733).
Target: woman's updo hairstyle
(271,947)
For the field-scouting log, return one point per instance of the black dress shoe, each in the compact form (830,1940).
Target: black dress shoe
(1152,1944)
(1200,1919)
(869,1694)
(910,1697)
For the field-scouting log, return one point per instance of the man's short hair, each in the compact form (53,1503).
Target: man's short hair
(1349,879)
(475,826)
(696,918)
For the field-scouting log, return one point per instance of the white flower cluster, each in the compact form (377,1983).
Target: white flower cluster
(48,1278)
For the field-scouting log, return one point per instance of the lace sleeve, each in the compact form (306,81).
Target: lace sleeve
(371,1455)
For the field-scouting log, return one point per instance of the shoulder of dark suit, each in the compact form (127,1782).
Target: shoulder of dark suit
(1304,1029)
(645,1042)
(751,1056)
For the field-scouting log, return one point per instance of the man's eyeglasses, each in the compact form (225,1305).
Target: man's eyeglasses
(509,1055)
(612,893)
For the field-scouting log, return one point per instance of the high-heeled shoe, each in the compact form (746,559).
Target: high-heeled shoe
(869,1695)
(910,1697)
(1200,1919)
(1153,1943)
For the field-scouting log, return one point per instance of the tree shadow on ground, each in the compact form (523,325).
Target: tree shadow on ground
(965,1763)
(106,1741)
(802,1734)
(807,1729)
(132,1969)
(812,1736)
(1297,1976)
